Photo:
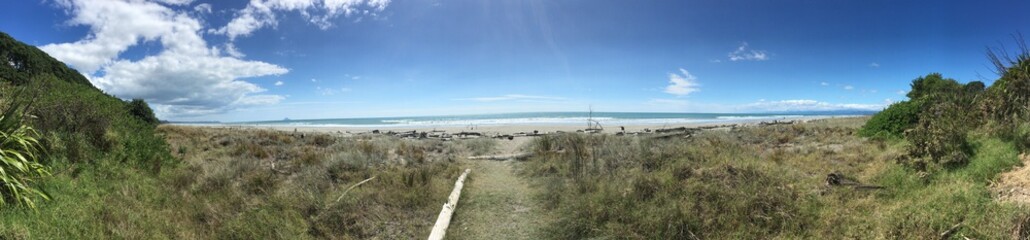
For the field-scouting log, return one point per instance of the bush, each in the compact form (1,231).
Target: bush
(941,135)
(893,121)
(140,109)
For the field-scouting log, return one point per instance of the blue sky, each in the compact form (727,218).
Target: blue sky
(265,60)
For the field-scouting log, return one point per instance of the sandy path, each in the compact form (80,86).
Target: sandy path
(496,203)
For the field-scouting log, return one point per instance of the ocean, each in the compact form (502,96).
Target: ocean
(541,118)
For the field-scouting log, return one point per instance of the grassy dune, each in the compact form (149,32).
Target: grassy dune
(253,184)
(765,182)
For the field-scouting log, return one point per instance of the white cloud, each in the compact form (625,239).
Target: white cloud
(874,65)
(203,8)
(824,84)
(186,78)
(849,87)
(806,105)
(175,2)
(682,85)
(262,13)
(231,50)
(744,54)
(279,83)
(511,97)
(901,92)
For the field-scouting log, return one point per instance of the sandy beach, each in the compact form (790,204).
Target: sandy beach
(510,129)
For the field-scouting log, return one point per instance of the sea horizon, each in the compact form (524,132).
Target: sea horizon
(539,118)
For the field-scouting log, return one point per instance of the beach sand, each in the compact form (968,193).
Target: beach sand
(494,130)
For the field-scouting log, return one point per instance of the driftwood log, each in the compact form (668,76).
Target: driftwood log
(444,221)
(516,156)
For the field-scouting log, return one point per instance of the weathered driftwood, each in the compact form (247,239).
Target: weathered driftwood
(777,122)
(444,220)
(516,156)
(352,187)
(951,231)
(462,134)
(666,130)
(673,135)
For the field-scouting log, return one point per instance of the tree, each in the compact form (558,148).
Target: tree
(140,109)
(933,84)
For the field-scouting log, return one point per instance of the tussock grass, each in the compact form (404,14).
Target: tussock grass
(764,182)
(251,184)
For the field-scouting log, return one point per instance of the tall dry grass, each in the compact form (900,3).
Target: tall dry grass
(253,184)
(760,183)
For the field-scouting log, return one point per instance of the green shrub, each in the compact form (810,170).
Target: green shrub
(85,125)
(893,121)
(931,85)
(941,136)
(140,109)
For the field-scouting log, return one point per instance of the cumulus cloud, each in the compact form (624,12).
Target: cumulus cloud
(682,85)
(806,105)
(187,78)
(874,65)
(824,84)
(849,87)
(743,53)
(278,83)
(262,13)
(511,97)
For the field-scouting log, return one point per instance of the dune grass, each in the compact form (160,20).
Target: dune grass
(251,184)
(765,182)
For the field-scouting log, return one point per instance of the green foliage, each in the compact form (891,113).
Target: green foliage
(926,205)
(941,136)
(720,185)
(1006,104)
(20,159)
(894,120)
(140,109)
(931,85)
(85,125)
(20,62)
(936,121)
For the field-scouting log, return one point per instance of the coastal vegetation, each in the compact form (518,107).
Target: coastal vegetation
(116,174)
(78,163)
(920,169)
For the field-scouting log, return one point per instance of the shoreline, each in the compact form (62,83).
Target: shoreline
(507,129)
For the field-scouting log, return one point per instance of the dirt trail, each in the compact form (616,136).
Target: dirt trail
(497,204)
(1014,185)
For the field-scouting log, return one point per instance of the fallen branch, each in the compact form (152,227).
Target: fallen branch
(517,156)
(352,187)
(444,221)
(947,234)
(328,205)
